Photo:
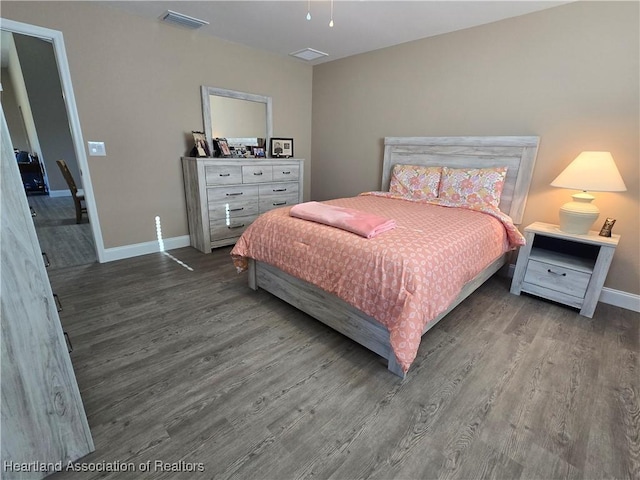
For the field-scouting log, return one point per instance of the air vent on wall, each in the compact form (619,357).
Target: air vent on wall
(183,20)
(308,54)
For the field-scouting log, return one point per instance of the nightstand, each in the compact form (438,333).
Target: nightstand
(564,267)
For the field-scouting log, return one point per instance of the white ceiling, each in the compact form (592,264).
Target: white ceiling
(360,26)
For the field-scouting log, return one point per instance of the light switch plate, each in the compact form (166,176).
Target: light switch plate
(96,149)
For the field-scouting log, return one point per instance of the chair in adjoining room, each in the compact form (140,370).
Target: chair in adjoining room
(77,194)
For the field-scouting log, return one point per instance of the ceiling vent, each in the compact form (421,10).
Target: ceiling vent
(308,54)
(183,20)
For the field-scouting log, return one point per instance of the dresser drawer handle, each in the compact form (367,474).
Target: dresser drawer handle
(279,203)
(279,189)
(236,209)
(231,227)
(45,257)
(225,174)
(257,173)
(56,299)
(556,273)
(286,173)
(234,194)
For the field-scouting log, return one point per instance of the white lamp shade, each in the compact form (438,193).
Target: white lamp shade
(591,171)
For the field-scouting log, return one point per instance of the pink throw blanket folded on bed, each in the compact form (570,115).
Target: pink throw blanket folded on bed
(361,223)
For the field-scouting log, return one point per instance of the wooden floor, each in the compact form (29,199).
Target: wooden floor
(193,367)
(66,242)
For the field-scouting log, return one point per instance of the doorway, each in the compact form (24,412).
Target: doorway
(66,242)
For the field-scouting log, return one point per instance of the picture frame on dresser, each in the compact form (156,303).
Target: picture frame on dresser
(281,147)
(201,148)
(221,147)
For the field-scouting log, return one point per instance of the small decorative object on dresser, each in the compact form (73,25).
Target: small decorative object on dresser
(225,195)
(281,147)
(605,231)
(201,148)
(221,147)
(564,267)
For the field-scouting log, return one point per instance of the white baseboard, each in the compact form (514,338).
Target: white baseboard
(137,249)
(617,298)
(628,301)
(59,193)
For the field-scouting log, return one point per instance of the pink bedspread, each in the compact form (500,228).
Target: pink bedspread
(403,278)
(365,224)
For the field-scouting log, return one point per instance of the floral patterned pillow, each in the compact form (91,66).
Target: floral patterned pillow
(472,185)
(414,181)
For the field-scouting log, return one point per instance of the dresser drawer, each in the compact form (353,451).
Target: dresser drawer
(560,279)
(232,192)
(278,189)
(283,173)
(229,228)
(233,207)
(223,174)
(257,173)
(271,202)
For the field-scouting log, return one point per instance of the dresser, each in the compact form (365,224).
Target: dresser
(43,419)
(224,196)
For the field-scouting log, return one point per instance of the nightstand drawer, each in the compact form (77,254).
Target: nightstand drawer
(560,279)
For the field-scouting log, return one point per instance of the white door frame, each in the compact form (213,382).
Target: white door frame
(60,52)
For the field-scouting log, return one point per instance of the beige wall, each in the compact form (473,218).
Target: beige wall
(568,74)
(137,87)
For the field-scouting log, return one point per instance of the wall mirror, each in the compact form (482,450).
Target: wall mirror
(235,115)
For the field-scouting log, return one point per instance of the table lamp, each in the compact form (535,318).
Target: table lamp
(592,171)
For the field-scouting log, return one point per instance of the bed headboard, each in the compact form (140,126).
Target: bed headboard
(517,153)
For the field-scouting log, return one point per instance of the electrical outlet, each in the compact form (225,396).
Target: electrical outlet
(96,149)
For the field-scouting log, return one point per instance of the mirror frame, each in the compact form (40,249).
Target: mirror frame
(223,92)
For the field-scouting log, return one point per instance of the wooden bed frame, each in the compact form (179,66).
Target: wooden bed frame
(518,153)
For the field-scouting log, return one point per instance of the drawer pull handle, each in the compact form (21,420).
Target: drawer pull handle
(236,209)
(33,212)
(45,257)
(279,189)
(556,273)
(225,174)
(279,203)
(286,173)
(257,173)
(69,346)
(57,302)
(231,227)
(234,194)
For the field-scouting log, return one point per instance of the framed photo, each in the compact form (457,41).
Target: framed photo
(281,147)
(258,152)
(201,148)
(222,147)
(605,231)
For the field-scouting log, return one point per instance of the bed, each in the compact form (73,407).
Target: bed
(365,325)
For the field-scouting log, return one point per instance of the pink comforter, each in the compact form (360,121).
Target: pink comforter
(403,278)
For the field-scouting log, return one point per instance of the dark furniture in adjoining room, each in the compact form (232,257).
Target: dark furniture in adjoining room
(76,193)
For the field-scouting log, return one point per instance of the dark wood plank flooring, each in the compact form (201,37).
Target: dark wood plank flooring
(66,242)
(192,366)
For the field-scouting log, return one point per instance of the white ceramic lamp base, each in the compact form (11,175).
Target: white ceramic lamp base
(577,216)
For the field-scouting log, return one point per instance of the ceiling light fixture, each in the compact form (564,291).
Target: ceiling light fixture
(183,20)
(331,21)
(308,17)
